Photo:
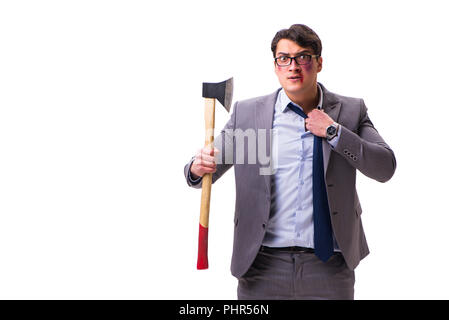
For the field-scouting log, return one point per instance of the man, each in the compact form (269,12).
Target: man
(298,232)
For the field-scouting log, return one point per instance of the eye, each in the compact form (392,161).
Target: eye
(283,59)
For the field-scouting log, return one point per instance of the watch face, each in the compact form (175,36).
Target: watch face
(331,130)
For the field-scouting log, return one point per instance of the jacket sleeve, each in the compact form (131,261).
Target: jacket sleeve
(366,150)
(224,142)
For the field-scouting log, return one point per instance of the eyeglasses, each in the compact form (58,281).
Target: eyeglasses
(302,59)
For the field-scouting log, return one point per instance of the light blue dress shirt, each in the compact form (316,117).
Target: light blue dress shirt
(291,214)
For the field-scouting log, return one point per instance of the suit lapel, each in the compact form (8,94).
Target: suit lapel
(332,107)
(263,112)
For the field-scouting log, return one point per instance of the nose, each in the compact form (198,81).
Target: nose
(294,66)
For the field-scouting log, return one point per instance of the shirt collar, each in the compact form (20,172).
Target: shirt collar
(285,100)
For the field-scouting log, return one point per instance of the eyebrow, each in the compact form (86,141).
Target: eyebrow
(296,54)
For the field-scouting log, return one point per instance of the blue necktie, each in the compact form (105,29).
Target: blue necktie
(324,244)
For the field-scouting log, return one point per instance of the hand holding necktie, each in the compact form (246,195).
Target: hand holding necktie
(317,121)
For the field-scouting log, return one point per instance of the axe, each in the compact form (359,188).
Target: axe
(222,92)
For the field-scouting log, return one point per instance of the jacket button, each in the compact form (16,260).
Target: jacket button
(334,213)
(263,225)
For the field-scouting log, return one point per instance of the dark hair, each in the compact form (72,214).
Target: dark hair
(302,35)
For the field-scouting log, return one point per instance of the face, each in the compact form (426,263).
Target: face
(296,79)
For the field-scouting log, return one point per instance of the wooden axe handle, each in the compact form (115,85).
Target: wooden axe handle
(209,118)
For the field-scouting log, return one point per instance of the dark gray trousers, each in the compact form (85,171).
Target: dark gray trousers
(281,275)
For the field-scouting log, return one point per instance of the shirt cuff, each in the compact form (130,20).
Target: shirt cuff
(191,180)
(335,140)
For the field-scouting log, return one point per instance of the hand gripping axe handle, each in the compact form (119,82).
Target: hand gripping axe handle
(222,92)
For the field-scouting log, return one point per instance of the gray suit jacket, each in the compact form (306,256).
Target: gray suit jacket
(360,147)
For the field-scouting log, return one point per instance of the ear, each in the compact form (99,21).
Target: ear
(276,68)
(320,64)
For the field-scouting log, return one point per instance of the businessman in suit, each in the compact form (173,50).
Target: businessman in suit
(297,227)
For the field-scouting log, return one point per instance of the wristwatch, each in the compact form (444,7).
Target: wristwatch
(331,131)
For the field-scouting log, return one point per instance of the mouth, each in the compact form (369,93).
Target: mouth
(295,78)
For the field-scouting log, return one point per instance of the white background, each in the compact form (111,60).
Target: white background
(101,107)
